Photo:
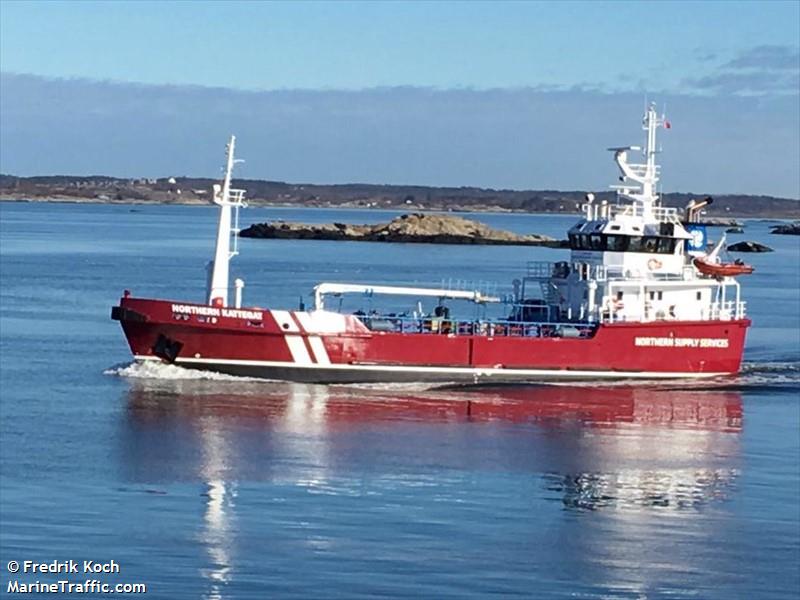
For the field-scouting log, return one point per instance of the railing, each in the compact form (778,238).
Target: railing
(716,311)
(725,311)
(546,270)
(661,214)
(616,274)
(560,270)
(485,328)
(540,269)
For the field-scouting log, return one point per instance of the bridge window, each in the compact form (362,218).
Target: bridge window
(622,243)
(666,245)
(650,244)
(617,243)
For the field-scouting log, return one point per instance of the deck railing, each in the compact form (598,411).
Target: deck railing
(546,270)
(662,214)
(724,311)
(485,328)
(716,311)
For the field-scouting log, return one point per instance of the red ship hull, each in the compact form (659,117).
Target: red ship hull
(325,347)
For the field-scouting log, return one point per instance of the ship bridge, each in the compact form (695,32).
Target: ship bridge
(630,260)
(627,237)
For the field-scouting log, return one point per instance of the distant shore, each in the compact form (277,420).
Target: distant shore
(186,191)
(90,200)
(730,219)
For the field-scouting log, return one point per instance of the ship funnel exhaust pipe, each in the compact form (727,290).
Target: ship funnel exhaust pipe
(239,285)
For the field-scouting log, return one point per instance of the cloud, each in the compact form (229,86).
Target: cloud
(749,83)
(705,55)
(768,58)
(760,71)
(523,138)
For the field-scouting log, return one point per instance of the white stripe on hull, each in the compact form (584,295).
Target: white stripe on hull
(456,371)
(318,348)
(298,349)
(286,321)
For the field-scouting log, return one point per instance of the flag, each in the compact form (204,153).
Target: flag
(667,125)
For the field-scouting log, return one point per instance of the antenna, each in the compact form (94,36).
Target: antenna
(640,180)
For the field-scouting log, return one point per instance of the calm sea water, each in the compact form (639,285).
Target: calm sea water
(215,487)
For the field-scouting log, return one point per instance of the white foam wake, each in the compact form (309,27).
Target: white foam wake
(771,367)
(753,374)
(158,370)
(783,373)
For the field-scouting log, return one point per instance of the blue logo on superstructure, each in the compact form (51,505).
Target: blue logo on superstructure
(699,237)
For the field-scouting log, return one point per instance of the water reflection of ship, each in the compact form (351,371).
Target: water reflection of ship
(284,404)
(630,450)
(658,444)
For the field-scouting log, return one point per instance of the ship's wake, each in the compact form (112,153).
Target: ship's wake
(155,370)
(755,376)
(765,376)
(165,371)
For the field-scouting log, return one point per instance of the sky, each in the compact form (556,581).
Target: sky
(523,95)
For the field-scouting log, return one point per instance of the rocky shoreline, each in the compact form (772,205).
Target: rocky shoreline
(787,229)
(409,228)
(748,246)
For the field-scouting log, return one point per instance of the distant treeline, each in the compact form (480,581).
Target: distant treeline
(187,189)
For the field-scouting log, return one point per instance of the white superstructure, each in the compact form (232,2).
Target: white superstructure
(630,261)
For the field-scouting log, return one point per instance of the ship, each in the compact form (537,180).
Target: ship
(642,297)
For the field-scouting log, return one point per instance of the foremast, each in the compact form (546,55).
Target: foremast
(229,201)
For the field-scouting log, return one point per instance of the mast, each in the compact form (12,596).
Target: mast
(650,124)
(640,180)
(227,199)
